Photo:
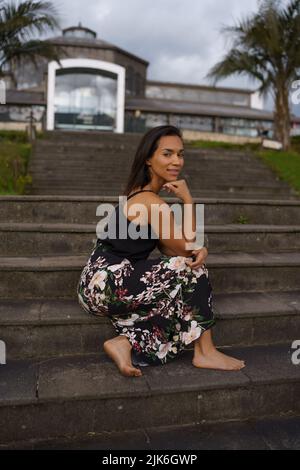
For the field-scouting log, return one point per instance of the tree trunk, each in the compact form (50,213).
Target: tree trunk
(282,121)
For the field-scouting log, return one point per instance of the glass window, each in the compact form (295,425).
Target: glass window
(85,99)
(245,127)
(153,120)
(197,95)
(195,123)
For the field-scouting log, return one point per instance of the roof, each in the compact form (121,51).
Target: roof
(25,97)
(91,43)
(81,28)
(200,87)
(188,107)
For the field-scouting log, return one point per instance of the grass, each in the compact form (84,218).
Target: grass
(286,165)
(15,151)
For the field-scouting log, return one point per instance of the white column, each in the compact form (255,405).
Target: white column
(256,101)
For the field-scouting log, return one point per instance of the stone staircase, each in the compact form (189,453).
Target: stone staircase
(98,164)
(58,383)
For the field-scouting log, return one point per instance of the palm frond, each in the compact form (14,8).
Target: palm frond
(268,36)
(265,47)
(21,26)
(26,19)
(242,63)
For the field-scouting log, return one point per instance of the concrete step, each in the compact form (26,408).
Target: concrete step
(82,209)
(78,138)
(83,182)
(219,155)
(95,183)
(94,171)
(56,167)
(92,146)
(57,135)
(90,134)
(57,277)
(91,186)
(275,433)
(208,194)
(31,239)
(72,396)
(100,147)
(77,156)
(61,162)
(110,155)
(50,328)
(126,154)
(100,173)
(109,162)
(123,152)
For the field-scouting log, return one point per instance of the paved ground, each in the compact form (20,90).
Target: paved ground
(274,433)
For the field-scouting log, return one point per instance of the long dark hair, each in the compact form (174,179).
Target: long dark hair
(139,174)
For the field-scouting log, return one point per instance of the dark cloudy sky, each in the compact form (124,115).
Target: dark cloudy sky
(180,38)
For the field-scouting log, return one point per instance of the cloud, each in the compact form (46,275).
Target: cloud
(181,40)
(186,34)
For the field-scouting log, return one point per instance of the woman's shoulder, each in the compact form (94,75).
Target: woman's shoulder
(145,195)
(150,198)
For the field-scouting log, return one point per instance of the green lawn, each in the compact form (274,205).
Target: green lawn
(15,152)
(286,165)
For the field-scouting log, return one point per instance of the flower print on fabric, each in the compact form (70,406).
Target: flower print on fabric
(161,305)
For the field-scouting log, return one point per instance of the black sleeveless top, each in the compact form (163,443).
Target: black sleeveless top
(132,249)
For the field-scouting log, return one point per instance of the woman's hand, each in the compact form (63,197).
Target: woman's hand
(200,256)
(179,188)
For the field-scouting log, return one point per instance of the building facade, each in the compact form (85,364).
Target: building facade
(99,86)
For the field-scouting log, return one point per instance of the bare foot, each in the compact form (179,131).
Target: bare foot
(119,350)
(216,360)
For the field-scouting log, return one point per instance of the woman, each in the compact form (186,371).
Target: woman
(157,306)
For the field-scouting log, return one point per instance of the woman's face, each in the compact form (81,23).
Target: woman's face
(168,159)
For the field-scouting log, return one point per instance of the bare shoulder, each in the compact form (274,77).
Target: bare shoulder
(147,198)
(154,198)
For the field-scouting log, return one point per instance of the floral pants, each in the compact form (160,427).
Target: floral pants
(161,305)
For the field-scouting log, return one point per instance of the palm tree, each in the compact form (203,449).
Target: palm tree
(266,47)
(20,25)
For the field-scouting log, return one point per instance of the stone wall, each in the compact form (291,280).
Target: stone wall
(218,137)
